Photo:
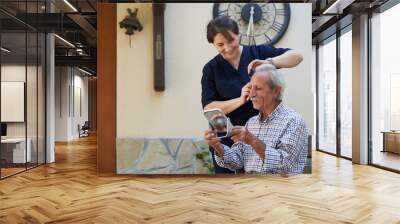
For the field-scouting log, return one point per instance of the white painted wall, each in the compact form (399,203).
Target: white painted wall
(81,95)
(10,73)
(68,82)
(12,101)
(17,73)
(50,94)
(61,103)
(177,112)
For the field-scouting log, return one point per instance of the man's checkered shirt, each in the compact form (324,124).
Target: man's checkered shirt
(285,135)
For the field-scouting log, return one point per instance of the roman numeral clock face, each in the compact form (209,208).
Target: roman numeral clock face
(259,23)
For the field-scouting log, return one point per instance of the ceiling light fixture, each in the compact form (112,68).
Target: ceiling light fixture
(65,41)
(80,51)
(70,5)
(337,7)
(5,50)
(84,71)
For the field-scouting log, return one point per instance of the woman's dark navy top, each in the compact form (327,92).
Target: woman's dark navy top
(221,81)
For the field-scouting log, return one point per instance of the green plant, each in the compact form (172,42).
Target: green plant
(204,157)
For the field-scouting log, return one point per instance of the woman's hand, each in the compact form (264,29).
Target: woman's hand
(255,63)
(289,59)
(244,96)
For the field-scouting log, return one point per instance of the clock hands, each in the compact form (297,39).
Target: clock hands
(250,28)
(266,22)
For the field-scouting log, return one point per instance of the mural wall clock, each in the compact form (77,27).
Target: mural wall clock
(259,23)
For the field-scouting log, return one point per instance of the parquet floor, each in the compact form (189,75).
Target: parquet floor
(70,191)
(387,159)
(10,171)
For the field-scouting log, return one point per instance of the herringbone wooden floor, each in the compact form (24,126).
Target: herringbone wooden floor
(70,191)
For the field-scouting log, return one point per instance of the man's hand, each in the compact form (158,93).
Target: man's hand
(240,133)
(211,139)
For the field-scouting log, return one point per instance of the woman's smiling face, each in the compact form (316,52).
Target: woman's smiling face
(229,49)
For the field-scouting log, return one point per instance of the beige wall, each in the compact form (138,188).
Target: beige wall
(177,112)
(299,80)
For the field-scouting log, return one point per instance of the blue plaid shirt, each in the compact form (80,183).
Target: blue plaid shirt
(285,135)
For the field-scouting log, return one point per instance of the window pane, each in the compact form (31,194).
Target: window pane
(327,97)
(385,86)
(346,94)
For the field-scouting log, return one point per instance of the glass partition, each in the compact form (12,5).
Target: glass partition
(22,88)
(31,100)
(13,105)
(327,96)
(41,107)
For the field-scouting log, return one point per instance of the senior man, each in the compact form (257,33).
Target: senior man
(272,142)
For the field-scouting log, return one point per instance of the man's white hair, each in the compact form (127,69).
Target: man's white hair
(275,77)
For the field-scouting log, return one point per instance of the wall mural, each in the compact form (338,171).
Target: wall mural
(142,107)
